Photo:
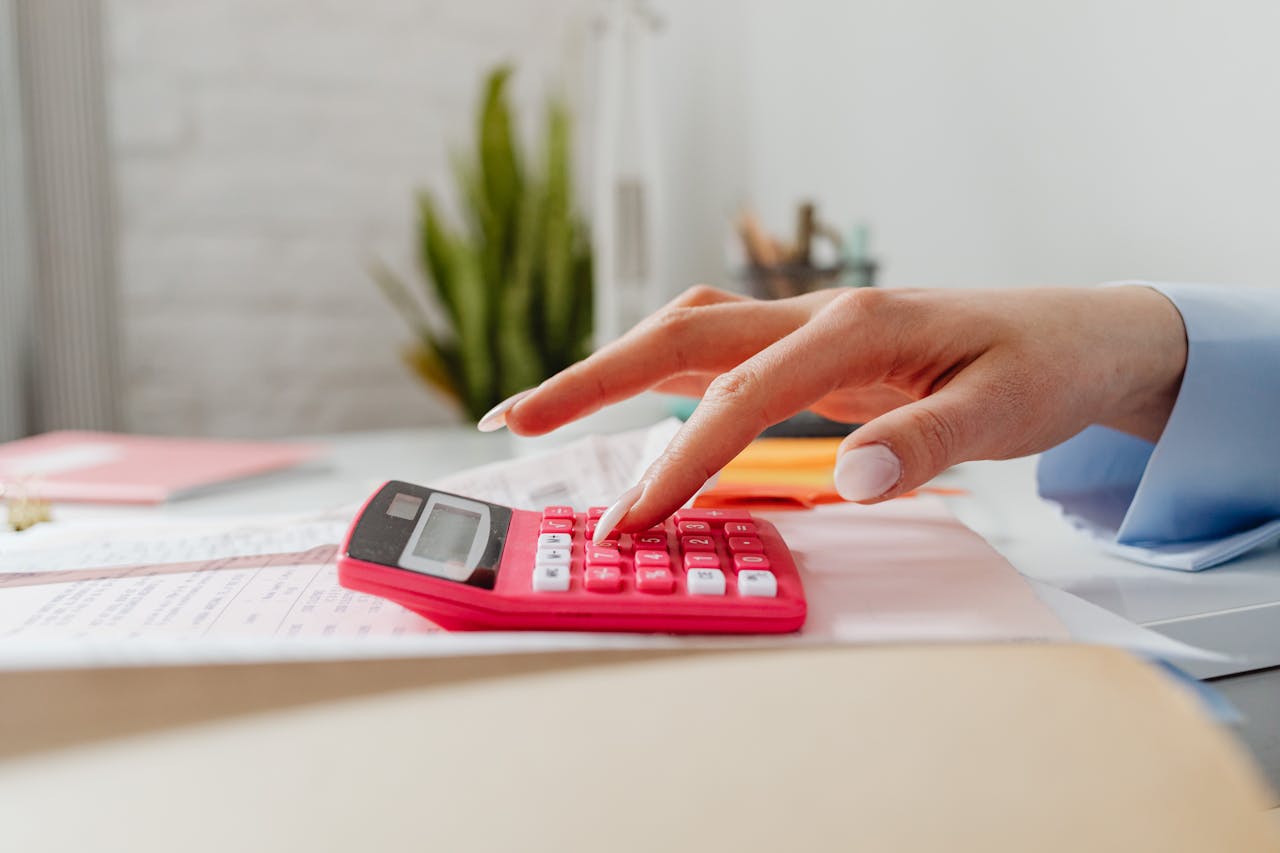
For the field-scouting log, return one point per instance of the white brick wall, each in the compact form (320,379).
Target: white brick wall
(265,152)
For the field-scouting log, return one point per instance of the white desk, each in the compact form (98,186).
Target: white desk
(1234,609)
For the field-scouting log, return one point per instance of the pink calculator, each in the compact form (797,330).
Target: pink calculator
(470,565)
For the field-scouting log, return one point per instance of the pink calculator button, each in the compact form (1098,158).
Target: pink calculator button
(651,540)
(595,512)
(739,528)
(697,543)
(602,579)
(646,559)
(655,580)
(558,512)
(745,545)
(612,540)
(591,529)
(701,560)
(748,562)
(600,555)
(712,516)
(556,525)
(693,527)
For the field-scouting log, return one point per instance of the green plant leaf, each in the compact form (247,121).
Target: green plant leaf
(397,293)
(500,161)
(436,255)
(583,297)
(434,360)
(558,304)
(425,360)
(475,350)
(522,365)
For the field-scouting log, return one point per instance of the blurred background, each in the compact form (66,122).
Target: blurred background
(194,195)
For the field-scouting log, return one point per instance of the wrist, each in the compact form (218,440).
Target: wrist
(1150,357)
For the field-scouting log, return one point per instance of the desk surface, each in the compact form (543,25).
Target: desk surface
(1231,609)
(335,755)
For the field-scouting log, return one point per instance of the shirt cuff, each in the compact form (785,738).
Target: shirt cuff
(1215,471)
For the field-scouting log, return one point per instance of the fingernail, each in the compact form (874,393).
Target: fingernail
(867,472)
(615,513)
(496,418)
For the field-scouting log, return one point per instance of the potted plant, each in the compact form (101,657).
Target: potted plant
(512,285)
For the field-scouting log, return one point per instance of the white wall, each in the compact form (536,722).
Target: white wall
(999,142)
(267,150)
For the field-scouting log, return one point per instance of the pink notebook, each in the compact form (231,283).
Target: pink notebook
(103,467)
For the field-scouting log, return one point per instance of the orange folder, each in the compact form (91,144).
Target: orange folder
(782,473)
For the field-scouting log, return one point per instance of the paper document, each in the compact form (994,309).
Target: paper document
(591,471)
(106,548)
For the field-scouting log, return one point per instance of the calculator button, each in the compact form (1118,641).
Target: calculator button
(655,580)
(713,516)
(693,528)
(745,544)
(739,528)
(612,540)
(757,584)
(550,578)
(595,512)
(598,555)
(697,543)
(645,559)
(556,525)
(650,540)
(558,512)
(701,560)
(747,562)
(602,579)
(553,557)
(552,541)
(705,582)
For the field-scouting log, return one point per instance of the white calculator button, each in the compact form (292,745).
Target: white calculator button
(757,583)
(550,578)
(554,541)
(552,557)
(705,582)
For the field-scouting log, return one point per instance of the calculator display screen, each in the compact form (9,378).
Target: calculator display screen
(447,535)
(430,532)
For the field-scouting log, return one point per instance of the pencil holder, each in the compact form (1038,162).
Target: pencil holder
(785,280)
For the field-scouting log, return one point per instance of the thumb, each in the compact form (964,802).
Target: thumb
(908,446)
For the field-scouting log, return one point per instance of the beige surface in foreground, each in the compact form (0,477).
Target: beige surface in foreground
(952,748)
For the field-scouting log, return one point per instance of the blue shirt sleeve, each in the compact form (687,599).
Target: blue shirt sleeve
(1214,475)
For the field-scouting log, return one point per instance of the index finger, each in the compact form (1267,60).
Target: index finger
(678,340)
(772,385)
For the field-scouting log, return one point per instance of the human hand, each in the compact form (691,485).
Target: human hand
(936,376)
